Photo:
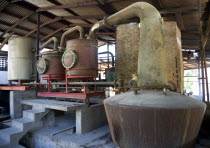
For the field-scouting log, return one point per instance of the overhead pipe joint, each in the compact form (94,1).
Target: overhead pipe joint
(76,28)
(52,39)
(151,61)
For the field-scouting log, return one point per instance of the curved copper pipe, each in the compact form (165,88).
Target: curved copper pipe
(52,39)
(151,61)
(76,28)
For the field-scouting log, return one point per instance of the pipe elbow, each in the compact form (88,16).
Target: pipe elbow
(52,39)
(98,25)
(76,28)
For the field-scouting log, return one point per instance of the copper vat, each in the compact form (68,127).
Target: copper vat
(50,64)
(85,62)
(153,120)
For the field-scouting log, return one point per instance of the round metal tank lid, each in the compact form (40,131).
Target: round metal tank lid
(155,99)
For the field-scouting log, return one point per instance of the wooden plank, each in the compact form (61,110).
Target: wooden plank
(4,5)
(19,17)
(179,21)
(157,4)
(54,32)
(179,9)
(17,23)
(74,5)
(82,25)
(18,27)
(106,7)
(85,17)
(5,41)
(44,24)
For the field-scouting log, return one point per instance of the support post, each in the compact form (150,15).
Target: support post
(37,50)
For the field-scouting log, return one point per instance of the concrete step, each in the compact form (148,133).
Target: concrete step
(22,123)
(9,137)
(10,134)
(10,146)
(3,143)
(34,114)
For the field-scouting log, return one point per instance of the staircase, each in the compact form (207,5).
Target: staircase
(9,137)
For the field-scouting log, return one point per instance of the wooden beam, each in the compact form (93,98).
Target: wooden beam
(106,7)
(85,17)
(179,9)
(106,33)
(19,17)
(17,23)
(18,27)
(4,5)
(74,5)
(82,25)
(179,21)
(157,4)
(5,40)
(44,24)
(20,34)
(31,7)
(68,10)
(54,32)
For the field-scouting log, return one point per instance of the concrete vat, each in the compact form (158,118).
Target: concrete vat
(20,58)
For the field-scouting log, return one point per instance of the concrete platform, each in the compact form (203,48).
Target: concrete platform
(39,137)
(53,104)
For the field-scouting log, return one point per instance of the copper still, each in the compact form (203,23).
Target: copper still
(151,116)
(81,56)
(49,65)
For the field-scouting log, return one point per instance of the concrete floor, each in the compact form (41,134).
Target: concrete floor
(39,137)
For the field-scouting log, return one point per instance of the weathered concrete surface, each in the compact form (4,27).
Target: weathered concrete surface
(16,109)
(9,137)
(127,49)
(39,137)
(90,118)
(54,104)
(172,45)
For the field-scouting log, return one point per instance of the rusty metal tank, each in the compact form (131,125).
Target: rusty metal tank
(154,120)
(50,64)
(81,58)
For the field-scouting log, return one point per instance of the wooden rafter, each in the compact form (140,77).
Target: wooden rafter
(54,32)
(19,17)
(179,21)
(157,4)
(4,5)
(106,7)
(17,23)
(82,4)
(68,10)
(44,24)
(18,27)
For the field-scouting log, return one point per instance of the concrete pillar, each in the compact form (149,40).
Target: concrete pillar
(90,118)
(16,109)
(49,119)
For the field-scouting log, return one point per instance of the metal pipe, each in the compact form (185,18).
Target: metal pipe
(76,28)
(61,131)
(153,71)
(73,83)
(112,55)
(52,39)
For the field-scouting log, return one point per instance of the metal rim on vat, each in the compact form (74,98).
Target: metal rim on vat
(41,66)
(72,55)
